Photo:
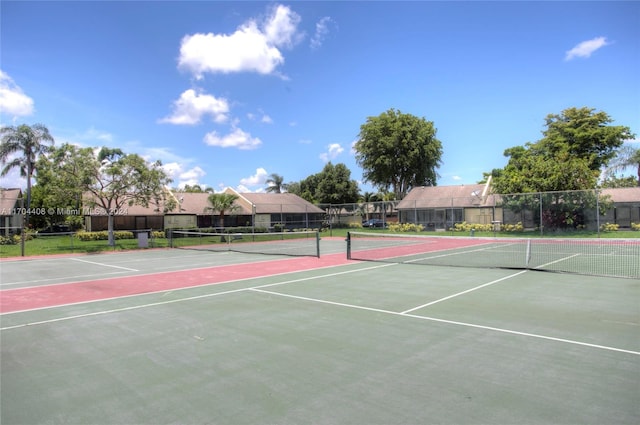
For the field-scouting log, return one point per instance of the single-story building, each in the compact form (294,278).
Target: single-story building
(10,217)
(441,207)
(626,206)
(259,210)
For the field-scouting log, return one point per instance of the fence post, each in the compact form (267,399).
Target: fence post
(598,212)
(541,226)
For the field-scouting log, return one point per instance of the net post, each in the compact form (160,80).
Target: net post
(348,245)
(528,254)
(170,236)
(318,243)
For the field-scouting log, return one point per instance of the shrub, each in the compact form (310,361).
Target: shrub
(405,227)
(10,240)
(467,227)
(156,234)
(518,227)
(16,239)
(609,227)
(635,226)
(104,235)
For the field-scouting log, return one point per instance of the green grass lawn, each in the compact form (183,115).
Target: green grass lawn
(64,244)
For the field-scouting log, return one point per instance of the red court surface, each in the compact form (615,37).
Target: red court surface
(21,299)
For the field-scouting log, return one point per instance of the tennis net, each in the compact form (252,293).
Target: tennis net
(303,243)
(596,257)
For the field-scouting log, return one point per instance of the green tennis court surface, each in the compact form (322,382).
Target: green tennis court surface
(362,343)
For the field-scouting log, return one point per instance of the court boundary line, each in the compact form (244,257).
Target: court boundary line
(143,274)
(451,322)
(259,289)
(29,282)
(103,265)
(195,297)
(558,261)
(171,269)
(459,251)
(464,292)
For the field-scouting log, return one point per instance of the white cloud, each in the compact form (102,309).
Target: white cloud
(265,119)
(456,178)
(90,137)
(334,150)
(253,47)
(586,48)
(13,180)
(236,139)
(322,30)
(13,101)
(244,189)
(181,176)
(94,134)
(162,154)
(191,107)
(257,179)
(280,28)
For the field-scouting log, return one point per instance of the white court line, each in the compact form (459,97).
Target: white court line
(97,313)
(56,278)
(104,265)
(452,322)
(557,261)
(463,292)
(259,289)
(484,285)
(461,252)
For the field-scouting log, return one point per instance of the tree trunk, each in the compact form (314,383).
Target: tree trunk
(29,172)
(112,240)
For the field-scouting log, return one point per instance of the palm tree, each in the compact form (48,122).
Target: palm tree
(222,202)
(275,183)
(27,143)
(627,157)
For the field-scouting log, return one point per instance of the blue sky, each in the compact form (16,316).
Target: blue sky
(226,93)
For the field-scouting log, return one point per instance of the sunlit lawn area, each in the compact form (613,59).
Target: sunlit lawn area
(63,244)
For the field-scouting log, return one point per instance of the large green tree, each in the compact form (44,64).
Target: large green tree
(398,151)
(333,185)
(108,180)
(20,148)
(583,133)
(62,175)
(576,145)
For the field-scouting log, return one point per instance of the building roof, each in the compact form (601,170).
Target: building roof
(478,195)
(459,196)
(8,199)
(273,203)
(623,194)
(265,203)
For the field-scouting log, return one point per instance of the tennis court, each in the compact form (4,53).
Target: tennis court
(188,336)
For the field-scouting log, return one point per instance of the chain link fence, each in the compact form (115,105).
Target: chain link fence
(543,212)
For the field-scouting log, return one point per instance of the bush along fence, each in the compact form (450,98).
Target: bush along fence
(606,210)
